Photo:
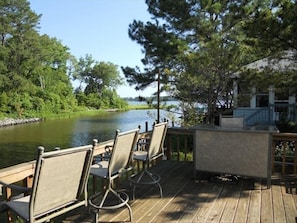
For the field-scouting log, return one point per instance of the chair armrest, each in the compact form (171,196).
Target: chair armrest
(3,206)
(104,156)
(15,187)
(108,150)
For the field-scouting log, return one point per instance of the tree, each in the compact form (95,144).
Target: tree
(273,26)
(97,75)
(33,68)
(195,46)
(100,80)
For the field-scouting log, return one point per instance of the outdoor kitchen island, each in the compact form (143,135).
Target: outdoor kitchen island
(234,151)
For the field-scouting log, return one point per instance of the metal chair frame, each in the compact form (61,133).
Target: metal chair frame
(155,150)
(59,184)
(112,169)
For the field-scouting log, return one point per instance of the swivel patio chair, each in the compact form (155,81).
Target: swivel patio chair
(119,163)
(146,154)
(59,184)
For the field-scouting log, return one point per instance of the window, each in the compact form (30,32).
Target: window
(262,100)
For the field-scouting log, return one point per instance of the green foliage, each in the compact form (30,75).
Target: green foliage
(273,27)
(194,48)
(107,99)
(101,80)
(33,67)
(181,147)
(181,156)
(97,75)
(36,70)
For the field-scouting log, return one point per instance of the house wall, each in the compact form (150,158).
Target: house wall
(254,116)
(272,108)
(265,115)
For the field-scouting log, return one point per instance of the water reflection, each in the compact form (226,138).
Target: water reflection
(18,143)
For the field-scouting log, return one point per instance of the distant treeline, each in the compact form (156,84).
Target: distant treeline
(140,98)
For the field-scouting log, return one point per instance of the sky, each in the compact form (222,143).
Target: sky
(98,28)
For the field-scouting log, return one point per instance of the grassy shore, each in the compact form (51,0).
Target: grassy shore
(80,112)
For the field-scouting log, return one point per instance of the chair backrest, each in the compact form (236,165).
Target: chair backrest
(121,155)
(60,179)
(157,140)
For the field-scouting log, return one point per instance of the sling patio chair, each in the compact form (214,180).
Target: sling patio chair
(119,163)
(152,150)
(59,184)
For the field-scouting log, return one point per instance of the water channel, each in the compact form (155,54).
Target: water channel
(19,143)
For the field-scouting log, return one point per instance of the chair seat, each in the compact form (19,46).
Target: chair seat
(100,169)
(140,155)
(20,206)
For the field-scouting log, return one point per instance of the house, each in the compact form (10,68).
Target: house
(266,106)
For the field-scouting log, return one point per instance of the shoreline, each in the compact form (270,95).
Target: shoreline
(11,121)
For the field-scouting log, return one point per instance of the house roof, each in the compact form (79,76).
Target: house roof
(283,62)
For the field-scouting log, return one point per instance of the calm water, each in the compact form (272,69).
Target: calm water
(19,143)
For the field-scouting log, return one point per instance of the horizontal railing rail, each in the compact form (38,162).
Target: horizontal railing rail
(179,145)
(284,154)
(23,173)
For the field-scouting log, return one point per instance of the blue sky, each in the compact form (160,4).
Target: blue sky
(96,27)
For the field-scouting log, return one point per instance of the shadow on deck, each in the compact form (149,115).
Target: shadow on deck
(187,200)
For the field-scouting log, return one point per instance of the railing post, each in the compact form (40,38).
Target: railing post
(28,182)
(295,157)
(168,146)
(185,148)
(178,148)
(273,156)
(284,157)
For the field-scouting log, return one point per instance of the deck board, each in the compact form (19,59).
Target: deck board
(278,204)
(243,202)
(186,199)
(266,210)
(231,204)
(289,205)
(254,206)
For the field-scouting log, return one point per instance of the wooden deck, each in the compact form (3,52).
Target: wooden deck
(187,200)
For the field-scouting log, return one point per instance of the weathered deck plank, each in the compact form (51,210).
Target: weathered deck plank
(266,209)
(188,200)
(243,202)
(289,205)
(278,205)
(157,207)
(254,206)
(231,204)
(191,200)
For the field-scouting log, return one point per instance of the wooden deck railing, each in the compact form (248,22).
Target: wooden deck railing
(23,173)
(284,154)
(179,146)
(179,143)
